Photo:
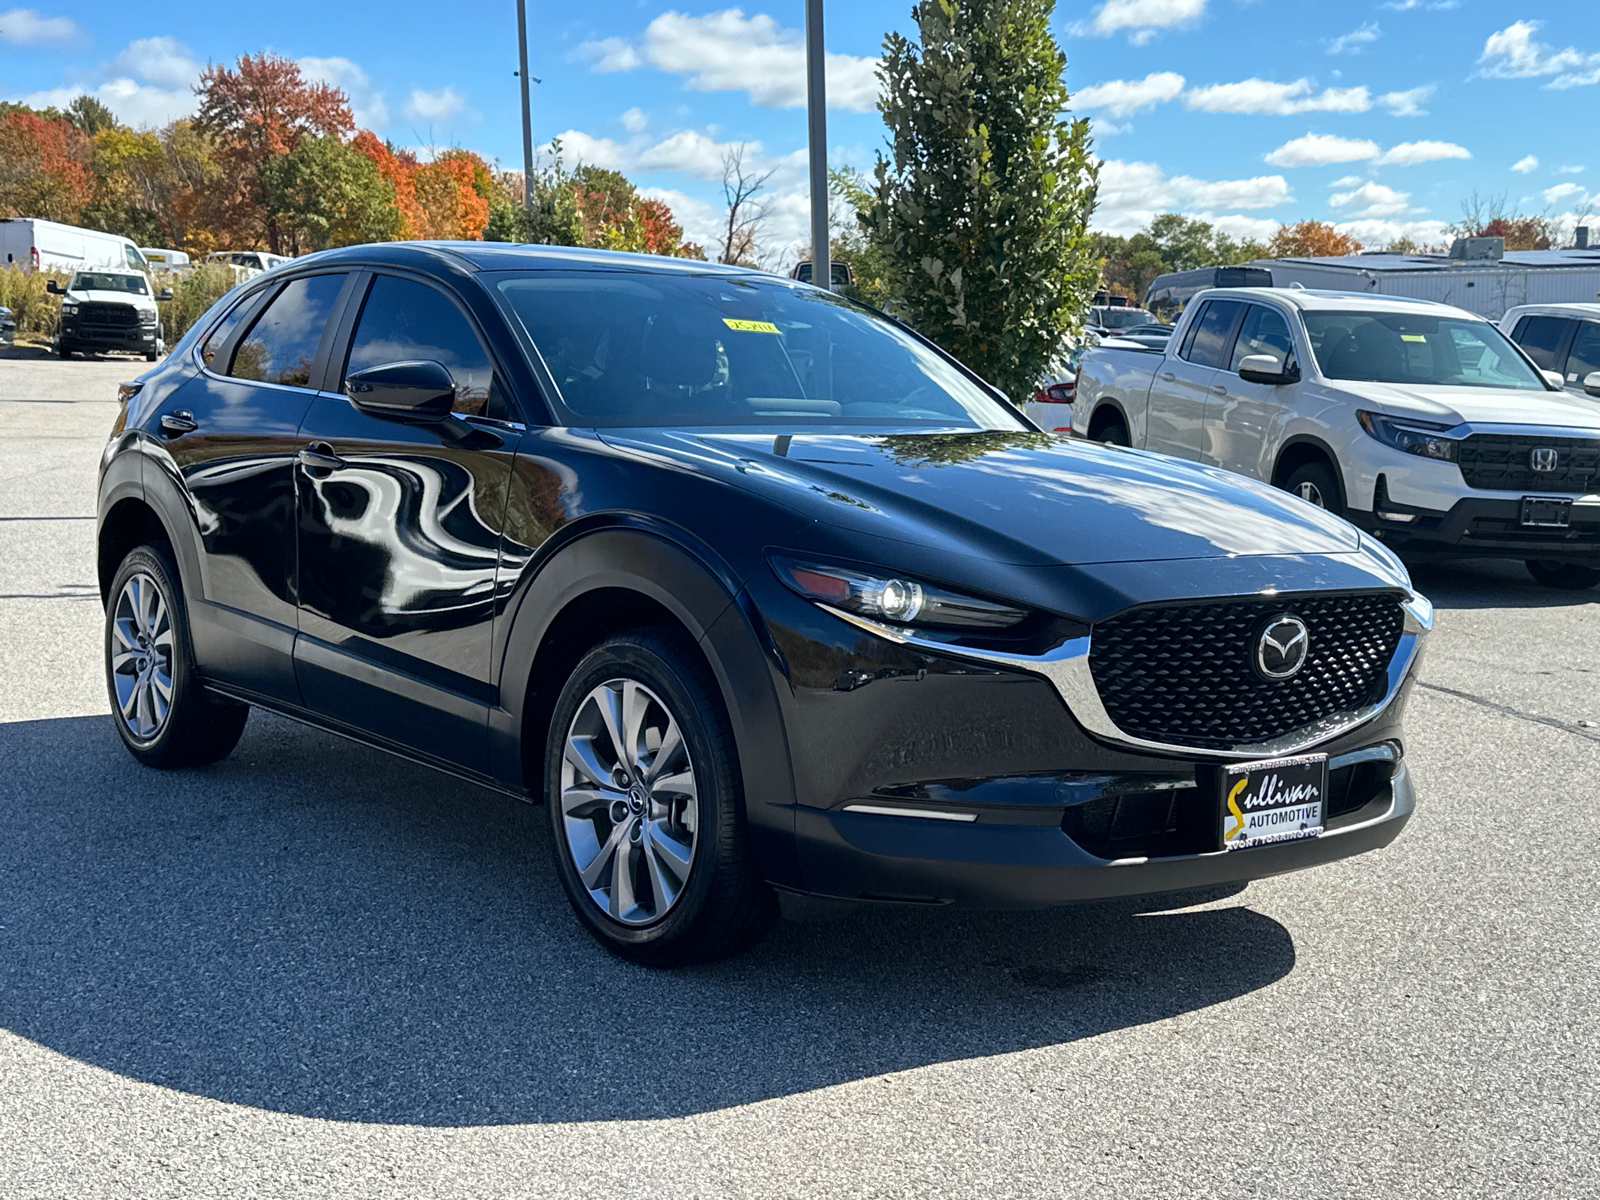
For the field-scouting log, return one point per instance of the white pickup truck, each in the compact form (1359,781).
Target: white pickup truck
(1421,423)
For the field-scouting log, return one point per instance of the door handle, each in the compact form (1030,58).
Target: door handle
(1168,376)
(178,423)
(319,456)
(1220,389)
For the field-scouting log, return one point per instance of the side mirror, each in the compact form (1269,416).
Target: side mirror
(54,288)
(1555,379)
(1591,383)
(164,294)
(1263,368)
(416,389)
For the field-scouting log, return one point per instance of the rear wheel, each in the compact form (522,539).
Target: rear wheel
(1113,433)
(645,806)
(1315,484)
(1567,576)
(162,712)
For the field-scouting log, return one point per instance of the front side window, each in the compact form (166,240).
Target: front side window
(653,349)
(135,260)
(1417,349)
(1264,332)
(282,345)
(1541,337)
(1208,347)
(1584,358)
(403,319)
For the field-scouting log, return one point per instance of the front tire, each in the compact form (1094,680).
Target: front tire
(1316,484)
(158,704)
(645,806)
(1571,577)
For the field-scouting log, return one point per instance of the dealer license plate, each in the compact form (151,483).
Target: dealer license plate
(1546,512)
(1277,801)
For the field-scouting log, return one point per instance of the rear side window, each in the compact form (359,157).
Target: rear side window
(1585,356)
(219,336)
(1210,344)
(1264,332)
(403,319)
(282,345)
(1541,337)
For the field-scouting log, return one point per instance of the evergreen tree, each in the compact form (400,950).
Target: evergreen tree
(983,212)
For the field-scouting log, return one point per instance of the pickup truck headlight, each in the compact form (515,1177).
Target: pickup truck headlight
(1423,438)
(889,598)
(69,308)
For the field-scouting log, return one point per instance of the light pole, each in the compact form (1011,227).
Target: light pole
(817,128)
(527,112)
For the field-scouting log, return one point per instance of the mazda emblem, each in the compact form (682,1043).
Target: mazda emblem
(1282,648)
(1545,458)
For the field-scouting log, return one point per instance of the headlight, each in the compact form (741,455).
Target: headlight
(891,598)
(147,318)
(1422,438)
(69,308)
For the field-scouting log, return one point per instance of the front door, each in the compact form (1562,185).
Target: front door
(399,536)
(1184,382)
(231,435)
(1243,425)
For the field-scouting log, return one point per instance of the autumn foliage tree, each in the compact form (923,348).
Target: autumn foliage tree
(45,167)
(1311,239)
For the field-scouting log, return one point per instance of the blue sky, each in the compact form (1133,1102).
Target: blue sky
(1378,115)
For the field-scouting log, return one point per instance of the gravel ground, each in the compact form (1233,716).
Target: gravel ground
(312,970)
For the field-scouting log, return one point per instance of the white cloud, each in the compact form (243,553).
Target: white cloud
(1373,200)
(610,54)
(24,27)
(366,102)
(1123,97)
(1279,99)
(1566,169)
(1356,40)
(729,52)
(1410,153)
(1348,181)
(133,103)
(164,61)
(1142,19)
(435,106)
(1525,165)
(1409,102)
(1131,193)
(1239,227)
(1513,54)
(1430,5)
(1374,232)
(688,151)
(702,222)
(1321,149)
(634,120)
(1563,190)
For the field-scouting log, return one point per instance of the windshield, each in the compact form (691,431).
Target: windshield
(103,281)
(1412,349)
(1121,318)
(647,349)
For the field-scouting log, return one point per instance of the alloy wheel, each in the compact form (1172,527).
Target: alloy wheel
(629,804)
(141,657)
(1310,493)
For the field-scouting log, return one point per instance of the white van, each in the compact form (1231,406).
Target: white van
(38,245)
(160,259)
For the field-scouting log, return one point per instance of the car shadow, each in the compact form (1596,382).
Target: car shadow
(1490,583)
(315,928)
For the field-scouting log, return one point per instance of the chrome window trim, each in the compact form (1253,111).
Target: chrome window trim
(1066,667)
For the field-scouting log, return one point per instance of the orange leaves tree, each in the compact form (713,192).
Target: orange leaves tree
(45,167)
(1311,239)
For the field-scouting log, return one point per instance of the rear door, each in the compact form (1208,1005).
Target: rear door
(1183,384)
(1584,357)
(1545,339)
(230,435)
(1243,424)
(399,534)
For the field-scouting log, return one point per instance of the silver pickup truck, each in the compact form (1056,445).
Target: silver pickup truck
(1423,424)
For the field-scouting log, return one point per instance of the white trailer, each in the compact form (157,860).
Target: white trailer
(35,244)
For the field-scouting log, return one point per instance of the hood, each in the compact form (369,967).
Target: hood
(1483,406)
(1023,498)
(99,297)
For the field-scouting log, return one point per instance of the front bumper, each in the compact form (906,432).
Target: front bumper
(78,337)
(1489,528)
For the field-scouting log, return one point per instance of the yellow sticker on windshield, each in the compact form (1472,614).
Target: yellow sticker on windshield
(1413,337)
(750,326)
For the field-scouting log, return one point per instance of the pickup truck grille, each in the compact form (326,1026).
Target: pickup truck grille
(1501,462)
(1184,675)
(102,314)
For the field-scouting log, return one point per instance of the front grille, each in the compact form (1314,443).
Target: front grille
(105,315)
(1184,674)
(1503,462)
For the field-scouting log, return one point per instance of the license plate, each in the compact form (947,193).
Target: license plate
(1546,512)
(1277,801)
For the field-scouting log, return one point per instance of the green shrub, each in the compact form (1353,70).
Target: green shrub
(192,296)
(35,309)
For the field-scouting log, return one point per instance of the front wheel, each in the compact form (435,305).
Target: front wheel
(1567,576)
(158,704)
(645,806)
(1315,484)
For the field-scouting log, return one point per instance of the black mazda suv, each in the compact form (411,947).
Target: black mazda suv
(753,588)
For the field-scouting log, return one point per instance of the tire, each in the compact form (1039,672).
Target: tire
(1570,577)
(1315,483)
(162,712)
(673,879)
(1113,433)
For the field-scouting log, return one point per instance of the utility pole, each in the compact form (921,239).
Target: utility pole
(527,111)
(817,127)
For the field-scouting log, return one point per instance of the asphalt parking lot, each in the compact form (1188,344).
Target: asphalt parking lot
(312,970)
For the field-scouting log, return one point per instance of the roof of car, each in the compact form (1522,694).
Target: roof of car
(1315,300)
(511,256)
(1591,311)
